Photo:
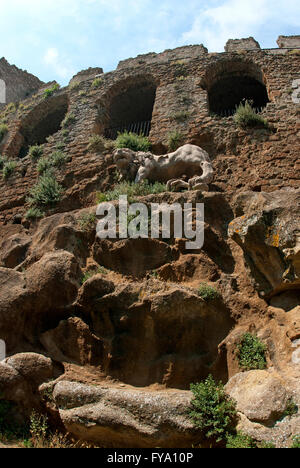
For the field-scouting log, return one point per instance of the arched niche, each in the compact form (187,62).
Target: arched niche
(127,106)
(229,83)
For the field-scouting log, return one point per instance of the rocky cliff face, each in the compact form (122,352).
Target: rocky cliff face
(106,336)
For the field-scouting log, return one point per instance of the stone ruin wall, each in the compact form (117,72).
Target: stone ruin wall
(19,83)
(251,159)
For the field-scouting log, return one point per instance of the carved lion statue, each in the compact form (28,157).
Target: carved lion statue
(188,167)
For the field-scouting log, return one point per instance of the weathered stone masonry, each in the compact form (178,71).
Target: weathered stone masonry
(182,85)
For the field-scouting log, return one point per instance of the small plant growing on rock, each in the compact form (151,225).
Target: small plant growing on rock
(213,411)
(99,144)
(3,131)
(133,141)
(34,213)
(50,91)
(244,441)
(291,408)
(56,159)
(87,221)
(132,190)
(8,169)
(47,191)
(240,441)
(180,116)
(91,273)
(208,293)
(36,152)
(175,140)
(68,120)
(97,83)
(296,442)
(246,116)
(251,353)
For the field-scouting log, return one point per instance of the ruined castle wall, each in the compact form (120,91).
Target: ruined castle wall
(244,159)
(19,83)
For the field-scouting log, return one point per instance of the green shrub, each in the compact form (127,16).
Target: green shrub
(36,152)
(291,408)
(50,91)
(56,159)
(3,131)
(68,120)
(34,213)
(8,169)
(87,221)
(213,411)
(74,85)
(251,353)
(99,144)
(132,190)
(97,82)
(47,191)
(208,293)
(243,441)
(296,442)
(240,441)
(133,141)
(175,140)
(246,116)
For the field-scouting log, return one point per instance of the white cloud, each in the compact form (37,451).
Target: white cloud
(237,19)
(60,66)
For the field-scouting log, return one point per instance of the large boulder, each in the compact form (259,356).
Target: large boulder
(35,368)
(124,417)
(13,250)
(72,341)
(260,396)
(31,299)
(268,232)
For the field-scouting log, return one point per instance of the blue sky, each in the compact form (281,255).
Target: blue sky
(54,39)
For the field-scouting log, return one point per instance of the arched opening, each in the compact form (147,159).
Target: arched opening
(45,120)
(230,83)
(129,107)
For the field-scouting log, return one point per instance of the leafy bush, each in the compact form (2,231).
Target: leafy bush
(240,441)
(291,408)
(68,120)
(74,85)
(132,190)
(34,213)
(243,441)
(87,221)
(246,116)
(50,91)
(251,353)
(47,191)
(56,159)
(296,442)
(208,293)
(213,411)
(97,82)
(99,144)
(175,140)
(3,131)
(8,169)
(35,152)
(133,141)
